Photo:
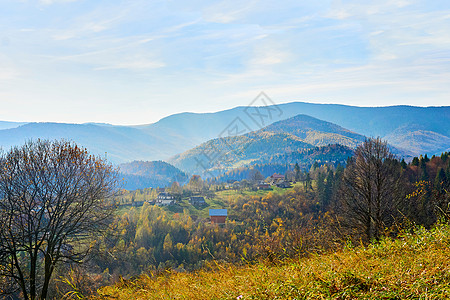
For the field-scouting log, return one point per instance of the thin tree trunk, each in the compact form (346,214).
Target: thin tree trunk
(32,275)
(48,269)
(369,219)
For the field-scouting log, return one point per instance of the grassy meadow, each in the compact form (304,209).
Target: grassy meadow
(412,266)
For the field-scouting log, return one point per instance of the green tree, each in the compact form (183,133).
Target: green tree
(307,184)
(297,172)
(168,244)
(195,183)
(320,191)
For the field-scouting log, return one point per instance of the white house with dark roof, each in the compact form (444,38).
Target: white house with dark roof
(164,199)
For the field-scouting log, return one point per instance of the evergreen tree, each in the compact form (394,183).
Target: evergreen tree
(297,172)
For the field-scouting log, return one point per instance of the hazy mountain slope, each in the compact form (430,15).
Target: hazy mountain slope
(374,121)
(286,136)
(419,141)
(118,143)
(187,130)
(7,125)
(144,174)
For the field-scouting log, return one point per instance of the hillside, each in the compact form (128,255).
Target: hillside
(280,163)
(145,174)
(417,140)
(412,266)
(268,145)
(232,152)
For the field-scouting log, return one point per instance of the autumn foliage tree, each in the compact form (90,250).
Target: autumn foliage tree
(52,201)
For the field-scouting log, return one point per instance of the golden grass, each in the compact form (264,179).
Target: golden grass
(415,266)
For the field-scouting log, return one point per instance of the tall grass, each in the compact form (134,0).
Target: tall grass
(413,266)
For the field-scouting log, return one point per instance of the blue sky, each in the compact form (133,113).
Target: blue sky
(134,62)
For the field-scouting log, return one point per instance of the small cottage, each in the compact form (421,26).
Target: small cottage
(218,216)
(264,186)
(284,185)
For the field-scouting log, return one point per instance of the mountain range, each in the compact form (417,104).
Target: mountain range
(414,130)
(291,135)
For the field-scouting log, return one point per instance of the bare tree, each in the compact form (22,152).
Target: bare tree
(369,188)
(52,200)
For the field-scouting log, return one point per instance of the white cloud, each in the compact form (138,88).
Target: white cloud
(225,52)
(50,2)
(8,73)
(8,70)
(132,65)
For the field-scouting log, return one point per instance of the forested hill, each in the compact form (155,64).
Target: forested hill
(282,163)
(144,174)
(216,154)
(264,146)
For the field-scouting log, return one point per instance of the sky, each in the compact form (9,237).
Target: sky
(135,62)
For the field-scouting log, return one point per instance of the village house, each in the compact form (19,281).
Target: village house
(197,200)
(284,184)
(275,178)
(264,186)
(164,198)
(218,216)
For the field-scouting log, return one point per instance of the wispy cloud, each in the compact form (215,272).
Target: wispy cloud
(8,70)
(137,64)
(49,2)
(366,53)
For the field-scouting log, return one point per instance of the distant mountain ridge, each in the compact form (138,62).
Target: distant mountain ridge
(316,132)
(8,125)
(418,130)
(117,143)
(144,174)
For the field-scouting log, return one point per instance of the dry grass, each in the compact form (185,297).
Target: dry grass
(415,266)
